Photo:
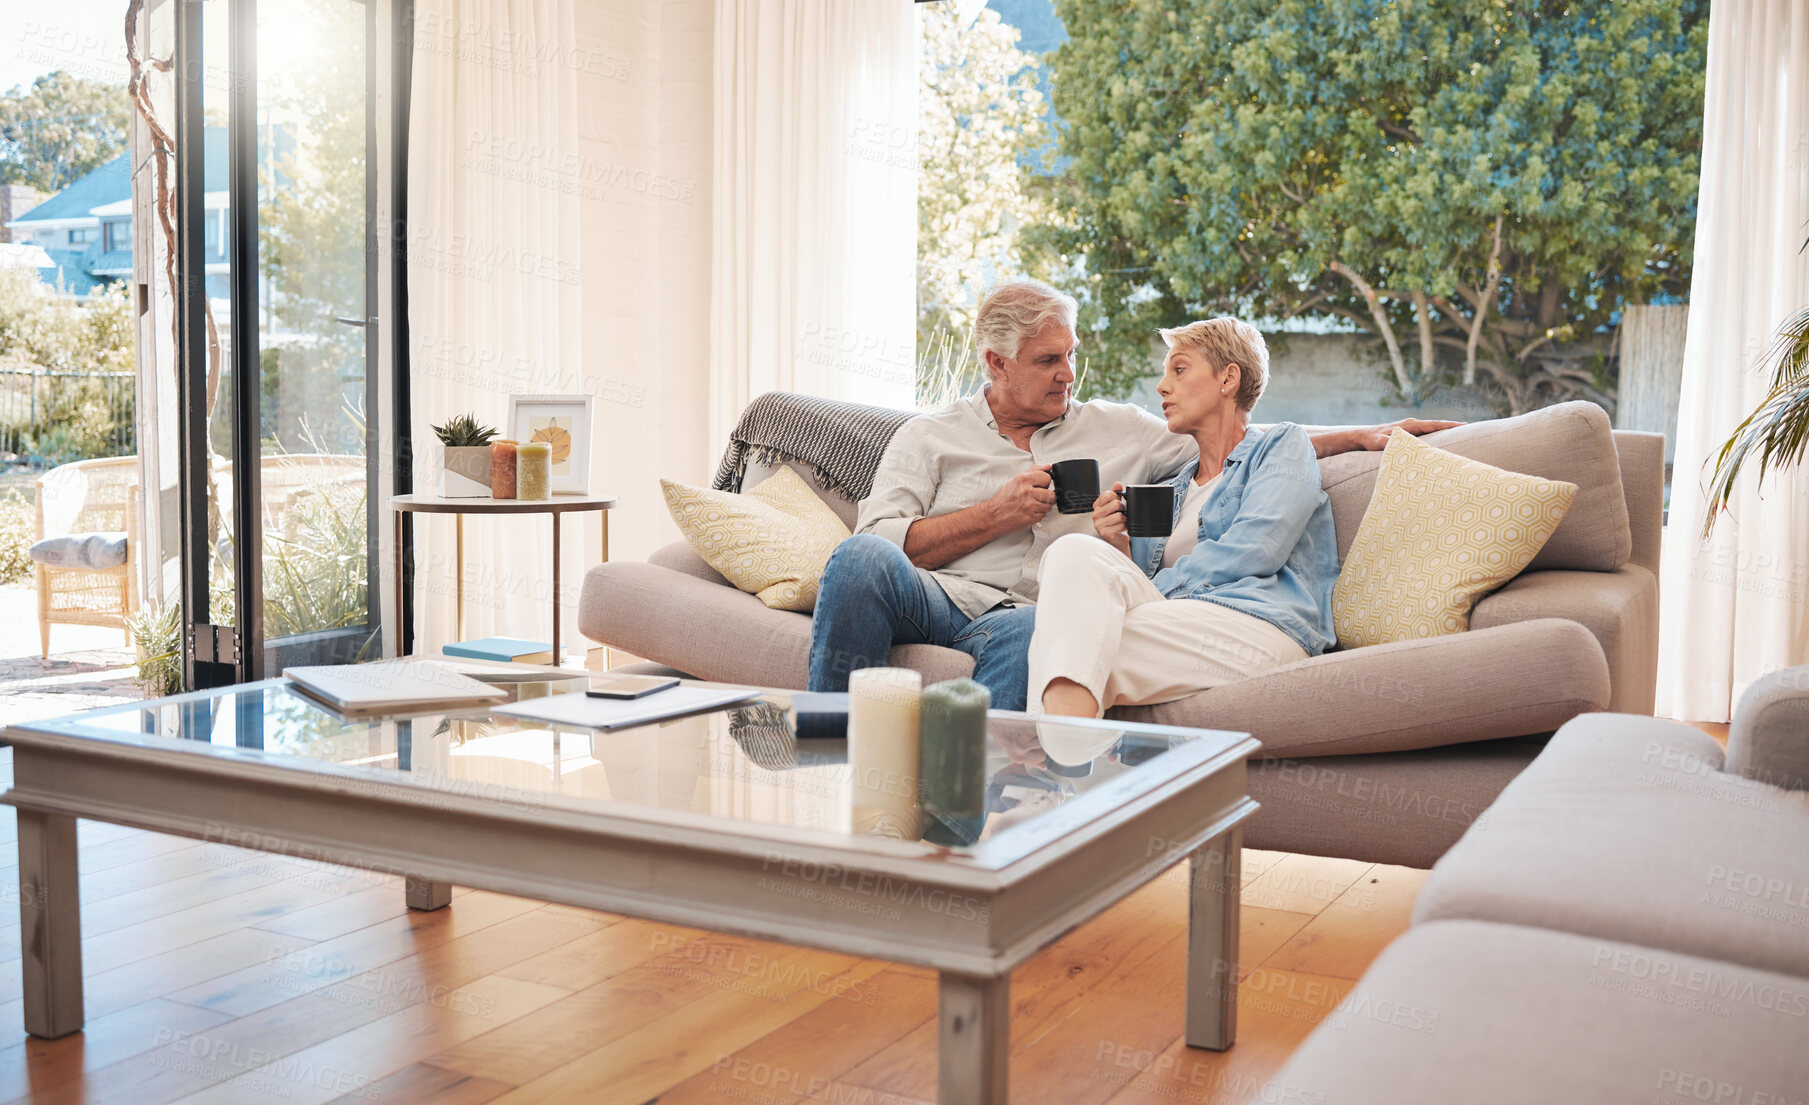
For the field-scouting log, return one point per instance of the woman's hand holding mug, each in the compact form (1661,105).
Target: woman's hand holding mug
(1108,519)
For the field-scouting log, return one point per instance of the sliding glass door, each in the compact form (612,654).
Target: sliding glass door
(280,458)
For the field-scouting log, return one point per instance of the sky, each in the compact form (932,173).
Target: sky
(84,37)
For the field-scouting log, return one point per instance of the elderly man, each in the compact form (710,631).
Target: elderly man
(946,547)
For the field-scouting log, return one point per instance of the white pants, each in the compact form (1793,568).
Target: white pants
(1103,624)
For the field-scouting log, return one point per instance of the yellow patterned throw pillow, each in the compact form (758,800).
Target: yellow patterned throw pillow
(771,541)
(1441,531)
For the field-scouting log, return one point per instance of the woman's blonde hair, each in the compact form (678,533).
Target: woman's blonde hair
(1226,340)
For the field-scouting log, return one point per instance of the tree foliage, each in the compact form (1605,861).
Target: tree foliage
(1478,186)
(980,119)
(59,129)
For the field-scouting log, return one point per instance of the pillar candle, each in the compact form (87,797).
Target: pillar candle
(882,751)
(953,748)
(534,470)
(502,469)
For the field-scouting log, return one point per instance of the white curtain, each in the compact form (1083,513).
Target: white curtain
(1737,606)
(814,236)
(494,280)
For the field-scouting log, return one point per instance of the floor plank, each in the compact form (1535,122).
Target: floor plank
(1345,938)
(1303,884)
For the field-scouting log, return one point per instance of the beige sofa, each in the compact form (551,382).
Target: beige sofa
(1383,753)
(1628,925)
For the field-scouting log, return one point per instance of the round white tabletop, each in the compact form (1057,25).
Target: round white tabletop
(484,504)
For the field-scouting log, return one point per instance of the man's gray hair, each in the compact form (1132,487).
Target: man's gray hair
(1013,312)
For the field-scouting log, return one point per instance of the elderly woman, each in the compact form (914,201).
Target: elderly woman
(1243,585)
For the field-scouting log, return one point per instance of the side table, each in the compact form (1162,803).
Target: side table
(433,504)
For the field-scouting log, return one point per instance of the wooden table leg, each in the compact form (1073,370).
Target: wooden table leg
(1213,899)
(974,1041)
(50,924)
(558,657)
(426,894)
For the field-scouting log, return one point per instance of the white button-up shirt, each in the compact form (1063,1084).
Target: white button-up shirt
(956,457)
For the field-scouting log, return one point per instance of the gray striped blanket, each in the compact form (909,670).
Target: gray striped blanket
(842,442)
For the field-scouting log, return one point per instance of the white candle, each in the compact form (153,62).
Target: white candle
(883,708)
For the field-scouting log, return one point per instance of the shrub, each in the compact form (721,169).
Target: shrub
(18,529)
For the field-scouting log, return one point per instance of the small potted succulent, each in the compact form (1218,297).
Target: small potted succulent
(465,472)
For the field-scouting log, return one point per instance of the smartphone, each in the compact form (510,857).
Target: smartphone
(629,686)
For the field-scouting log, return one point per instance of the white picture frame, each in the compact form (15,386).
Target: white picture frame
(546,414)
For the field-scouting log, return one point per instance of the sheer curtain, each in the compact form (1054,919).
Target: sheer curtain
(814,239)
(494,280)
(1737,606)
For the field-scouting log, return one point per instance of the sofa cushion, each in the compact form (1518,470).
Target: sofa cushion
(1441,530)
(1530,677)
(1626,828)
(772,541)
(93,552)
(1570,441)
(1490,1014)
(758,472)
(1769,739)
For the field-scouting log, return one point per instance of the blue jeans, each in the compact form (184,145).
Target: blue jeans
(873,597)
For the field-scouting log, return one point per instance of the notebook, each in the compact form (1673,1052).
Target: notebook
(391,686)
(510,650)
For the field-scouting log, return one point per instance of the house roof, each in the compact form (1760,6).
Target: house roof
(111,184)
(65,269)
(115,263)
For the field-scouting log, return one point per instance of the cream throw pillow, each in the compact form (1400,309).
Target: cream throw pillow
(1441,531)
(772,541)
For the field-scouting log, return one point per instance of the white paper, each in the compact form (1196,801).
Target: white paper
(621,713)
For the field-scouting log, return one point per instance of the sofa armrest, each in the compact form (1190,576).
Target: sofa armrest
(1620,608)
(1769,738)
(679,556)
(715,633)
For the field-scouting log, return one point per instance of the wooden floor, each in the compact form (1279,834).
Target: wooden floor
(219,975)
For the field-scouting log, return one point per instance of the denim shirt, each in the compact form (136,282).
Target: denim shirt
(1267,545)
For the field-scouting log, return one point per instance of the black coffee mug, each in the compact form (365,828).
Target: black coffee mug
(1149,509)
(1076,485)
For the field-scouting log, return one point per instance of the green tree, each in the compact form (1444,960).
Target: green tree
(980,120)
(1477,186)
(60,128)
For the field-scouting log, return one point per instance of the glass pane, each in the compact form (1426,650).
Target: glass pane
(311,299)
(216,106)
(742,767)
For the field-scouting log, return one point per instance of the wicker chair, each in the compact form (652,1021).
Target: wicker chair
(88,496)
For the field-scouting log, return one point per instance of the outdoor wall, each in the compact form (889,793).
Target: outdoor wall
(1331,380)
(645,140)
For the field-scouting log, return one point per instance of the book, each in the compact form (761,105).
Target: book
(390,687)
(581,710)
(509,650)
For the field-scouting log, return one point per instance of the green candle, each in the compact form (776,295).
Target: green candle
(952,745)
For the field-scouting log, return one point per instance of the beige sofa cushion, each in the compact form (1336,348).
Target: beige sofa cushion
(1570,441)
(1441,530)
(1490,1014)
(772,541)
(1626,828)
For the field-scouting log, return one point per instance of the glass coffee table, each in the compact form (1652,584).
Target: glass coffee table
(722,820)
